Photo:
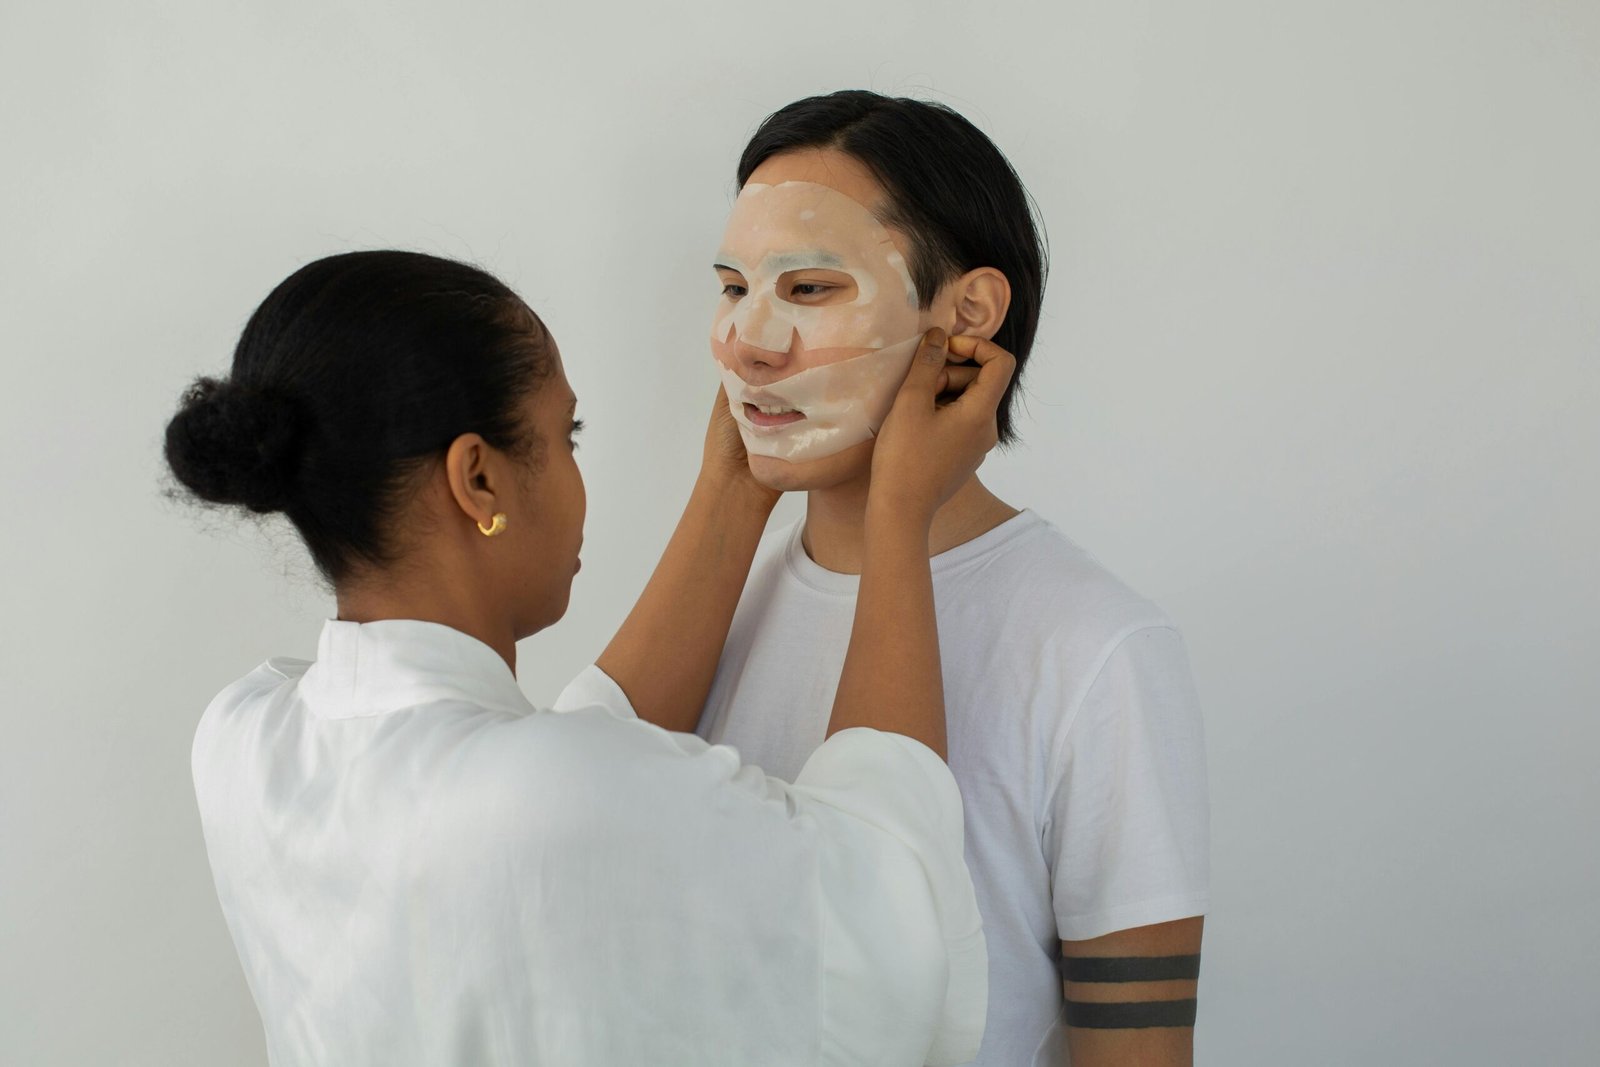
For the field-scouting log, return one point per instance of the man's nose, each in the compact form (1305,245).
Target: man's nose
(762,337)
(750,355)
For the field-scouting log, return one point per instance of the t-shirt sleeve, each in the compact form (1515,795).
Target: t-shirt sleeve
(892,826)
(1127,812)
(594,688)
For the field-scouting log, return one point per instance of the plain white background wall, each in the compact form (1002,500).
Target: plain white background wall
(1318,372)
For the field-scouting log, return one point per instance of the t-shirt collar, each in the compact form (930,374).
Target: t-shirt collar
(812,574)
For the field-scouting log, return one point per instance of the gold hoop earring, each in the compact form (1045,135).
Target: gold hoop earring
(498,526)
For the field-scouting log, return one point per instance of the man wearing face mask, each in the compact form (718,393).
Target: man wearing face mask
(1074,730)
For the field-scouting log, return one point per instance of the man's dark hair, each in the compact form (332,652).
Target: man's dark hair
(949,189)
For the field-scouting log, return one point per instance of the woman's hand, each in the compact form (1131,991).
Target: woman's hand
(725,461)
(932,442)
(940,428)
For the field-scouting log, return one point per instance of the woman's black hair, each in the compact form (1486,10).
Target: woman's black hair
(949,189)
(353,373)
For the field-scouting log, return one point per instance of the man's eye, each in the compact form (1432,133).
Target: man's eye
(733,292)
(572,436)
(811,289)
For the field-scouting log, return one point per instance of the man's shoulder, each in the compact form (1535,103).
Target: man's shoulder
(1041,579)
(1025,577)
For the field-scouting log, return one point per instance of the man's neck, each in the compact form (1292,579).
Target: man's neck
(835,533)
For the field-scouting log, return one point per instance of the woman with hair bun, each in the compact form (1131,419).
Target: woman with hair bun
(417,865)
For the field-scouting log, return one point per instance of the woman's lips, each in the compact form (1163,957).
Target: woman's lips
(772,417)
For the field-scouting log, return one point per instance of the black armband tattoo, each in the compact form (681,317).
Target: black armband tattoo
(1130,968)
(1130,1016)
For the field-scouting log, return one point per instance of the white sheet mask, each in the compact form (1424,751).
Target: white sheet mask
(838,364)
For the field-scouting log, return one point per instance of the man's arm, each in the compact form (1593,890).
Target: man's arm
(665,655)
(1131,996)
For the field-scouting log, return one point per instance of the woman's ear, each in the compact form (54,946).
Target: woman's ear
(471,477)
(980,299)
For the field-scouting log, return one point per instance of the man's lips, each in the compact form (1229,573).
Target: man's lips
(773,417)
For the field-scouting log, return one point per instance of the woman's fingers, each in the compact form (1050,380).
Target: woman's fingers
(955,379)
(969,346)
(964,351)
(922,379)
(994,372)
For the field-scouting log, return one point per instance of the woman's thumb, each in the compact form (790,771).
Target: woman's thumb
(928,363)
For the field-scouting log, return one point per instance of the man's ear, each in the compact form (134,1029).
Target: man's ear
(980,299)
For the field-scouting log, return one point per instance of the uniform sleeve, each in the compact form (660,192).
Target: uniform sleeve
(839,904)
(878,793)
(594,688)
(1126,822)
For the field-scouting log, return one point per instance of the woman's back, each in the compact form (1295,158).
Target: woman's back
(417,866)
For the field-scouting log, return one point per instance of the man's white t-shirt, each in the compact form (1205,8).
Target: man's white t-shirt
(1074,734)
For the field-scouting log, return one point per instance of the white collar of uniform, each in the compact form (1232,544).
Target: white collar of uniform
(374,668)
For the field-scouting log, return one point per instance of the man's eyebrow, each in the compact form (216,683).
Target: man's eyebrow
(779,262)
(782,261)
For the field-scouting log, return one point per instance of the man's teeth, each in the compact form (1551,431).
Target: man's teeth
(772,411)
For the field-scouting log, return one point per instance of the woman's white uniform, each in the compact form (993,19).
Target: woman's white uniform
(420,867)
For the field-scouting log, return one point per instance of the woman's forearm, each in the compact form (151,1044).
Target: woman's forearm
(665,654)
(891,678)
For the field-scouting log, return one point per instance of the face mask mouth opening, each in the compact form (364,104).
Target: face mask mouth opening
(772,416)
(767,400)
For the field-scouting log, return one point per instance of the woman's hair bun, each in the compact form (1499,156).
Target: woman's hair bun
(237,443)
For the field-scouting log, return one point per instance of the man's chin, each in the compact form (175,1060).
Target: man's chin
(824,473)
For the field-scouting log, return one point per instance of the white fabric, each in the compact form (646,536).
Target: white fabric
(1074,734)
(419,867)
